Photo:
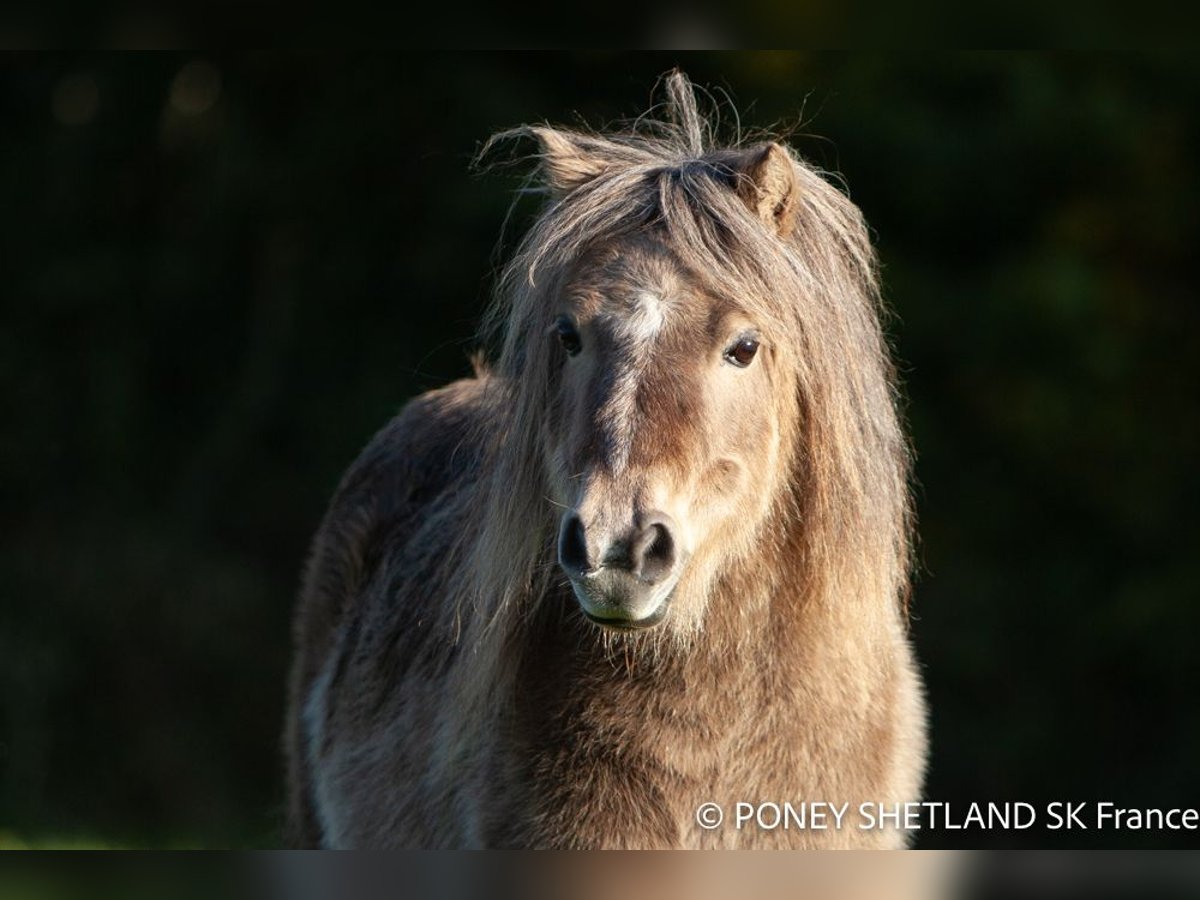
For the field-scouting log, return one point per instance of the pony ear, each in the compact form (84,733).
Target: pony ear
(566,162)
(767,183)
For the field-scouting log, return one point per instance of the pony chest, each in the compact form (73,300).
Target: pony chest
(651,732)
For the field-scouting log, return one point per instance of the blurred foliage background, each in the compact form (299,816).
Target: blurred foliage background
(220,274)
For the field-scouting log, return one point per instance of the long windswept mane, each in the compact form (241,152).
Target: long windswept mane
(816,288)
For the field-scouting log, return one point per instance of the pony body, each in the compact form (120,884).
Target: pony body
(655,555)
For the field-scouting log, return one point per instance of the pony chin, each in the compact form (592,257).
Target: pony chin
(617,614)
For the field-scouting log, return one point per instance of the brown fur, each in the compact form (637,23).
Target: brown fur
(448,692)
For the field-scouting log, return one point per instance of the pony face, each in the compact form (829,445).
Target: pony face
(665,432)
(696,389)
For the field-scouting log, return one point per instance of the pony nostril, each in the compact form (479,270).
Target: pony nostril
(654,555)
(572,546)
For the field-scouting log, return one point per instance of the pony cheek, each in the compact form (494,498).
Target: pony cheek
(728,496)
(556,464)
(738,486)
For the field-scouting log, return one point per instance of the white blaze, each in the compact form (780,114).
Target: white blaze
(646,317)
(636,327)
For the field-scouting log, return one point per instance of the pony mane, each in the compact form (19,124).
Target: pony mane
(816,290)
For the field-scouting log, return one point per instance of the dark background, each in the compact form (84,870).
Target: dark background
(220,274)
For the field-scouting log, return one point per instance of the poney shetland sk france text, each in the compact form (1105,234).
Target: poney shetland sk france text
(1060,815)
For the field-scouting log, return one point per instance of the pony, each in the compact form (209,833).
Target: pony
(653,555)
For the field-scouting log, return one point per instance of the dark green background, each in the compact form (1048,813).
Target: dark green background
(211,300)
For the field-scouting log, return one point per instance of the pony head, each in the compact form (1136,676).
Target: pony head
(699,389)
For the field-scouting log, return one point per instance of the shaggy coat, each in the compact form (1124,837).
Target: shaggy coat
(689,345)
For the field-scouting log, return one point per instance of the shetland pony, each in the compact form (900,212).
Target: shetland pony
(654,555)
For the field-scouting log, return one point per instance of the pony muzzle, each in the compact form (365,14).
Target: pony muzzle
(622,580)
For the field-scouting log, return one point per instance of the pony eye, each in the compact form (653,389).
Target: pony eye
(568,335)
(742,353)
